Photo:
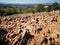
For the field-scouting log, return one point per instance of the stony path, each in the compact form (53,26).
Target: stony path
(31,29)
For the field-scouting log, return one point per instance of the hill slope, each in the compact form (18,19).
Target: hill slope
(31,29)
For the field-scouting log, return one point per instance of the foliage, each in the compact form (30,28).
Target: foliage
(39,8)
(54,6)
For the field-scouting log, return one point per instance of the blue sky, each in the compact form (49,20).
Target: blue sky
(28,1)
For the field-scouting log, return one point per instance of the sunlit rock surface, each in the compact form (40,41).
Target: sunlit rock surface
(30,29)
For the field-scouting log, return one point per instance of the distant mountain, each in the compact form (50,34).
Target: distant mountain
(22,5)
(17,5)
(47,4)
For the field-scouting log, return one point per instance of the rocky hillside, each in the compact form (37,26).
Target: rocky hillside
(30,29)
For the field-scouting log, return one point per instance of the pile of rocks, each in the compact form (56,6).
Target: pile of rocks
(31,29)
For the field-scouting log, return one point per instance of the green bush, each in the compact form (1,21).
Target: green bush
(40,8)
(54,6)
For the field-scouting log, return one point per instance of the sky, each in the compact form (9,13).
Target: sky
(29,1)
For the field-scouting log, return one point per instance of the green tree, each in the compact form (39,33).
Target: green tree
(54,6)
(40,8)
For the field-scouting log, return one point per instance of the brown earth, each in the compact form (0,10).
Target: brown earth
(30,29)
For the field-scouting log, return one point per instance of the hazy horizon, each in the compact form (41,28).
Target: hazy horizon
(28,1)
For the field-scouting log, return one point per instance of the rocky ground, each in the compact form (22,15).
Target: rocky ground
(31,29)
